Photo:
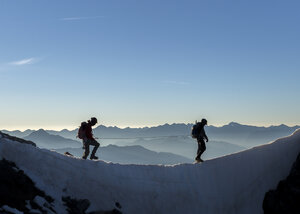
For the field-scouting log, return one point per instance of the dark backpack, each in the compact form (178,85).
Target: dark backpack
(195,130)
(81,130)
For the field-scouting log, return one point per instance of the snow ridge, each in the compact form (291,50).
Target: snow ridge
(231,184)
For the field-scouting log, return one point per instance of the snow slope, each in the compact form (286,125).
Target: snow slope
(231,184)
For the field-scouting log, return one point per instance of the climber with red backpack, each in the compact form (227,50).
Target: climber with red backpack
(85,133)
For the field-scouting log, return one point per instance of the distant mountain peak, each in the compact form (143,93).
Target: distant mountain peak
(234,124)
(283,125)
(40,132)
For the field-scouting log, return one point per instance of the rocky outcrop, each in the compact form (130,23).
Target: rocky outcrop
(20,140)
(286,198)
(18,191)
(79,206)
(18,194)
(76,206)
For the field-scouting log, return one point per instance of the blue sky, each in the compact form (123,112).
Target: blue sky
(144,63)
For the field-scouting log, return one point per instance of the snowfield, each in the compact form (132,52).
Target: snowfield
(235,183)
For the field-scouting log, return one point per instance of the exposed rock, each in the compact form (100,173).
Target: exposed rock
(114,211)
(286,198)
(18,190)
(68,153)
(76,206)
(79,206)
(118,205)
(13,138)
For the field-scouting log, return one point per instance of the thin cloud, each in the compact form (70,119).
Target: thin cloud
(27,61)
(176,82)
(80,18)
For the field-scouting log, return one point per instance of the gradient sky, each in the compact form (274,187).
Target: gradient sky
(143,63)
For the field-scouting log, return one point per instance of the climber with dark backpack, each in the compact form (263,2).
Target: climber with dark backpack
(195,130)
(86,135)
(198,133)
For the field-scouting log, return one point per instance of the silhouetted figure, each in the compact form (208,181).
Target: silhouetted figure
(199,133)
(88,139)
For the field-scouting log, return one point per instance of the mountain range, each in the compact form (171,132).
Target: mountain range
(155,150)
(45,140)
(248,136)
(131,155)
(187,147)
(170,139)
(232,130)
(243,135)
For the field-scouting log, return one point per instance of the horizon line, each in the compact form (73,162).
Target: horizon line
(142,127)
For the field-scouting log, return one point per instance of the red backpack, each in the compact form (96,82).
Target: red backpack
(81,130)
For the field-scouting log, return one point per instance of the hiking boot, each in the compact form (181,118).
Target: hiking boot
(198,160)
(94,157)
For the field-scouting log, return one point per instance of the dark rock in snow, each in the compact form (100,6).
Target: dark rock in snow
(79,206)
(18,190)
(76,206)
(286,198)
(118,205)
(68,153)
(114,211)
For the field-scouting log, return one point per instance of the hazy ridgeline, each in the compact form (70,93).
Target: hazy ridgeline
(166,144)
